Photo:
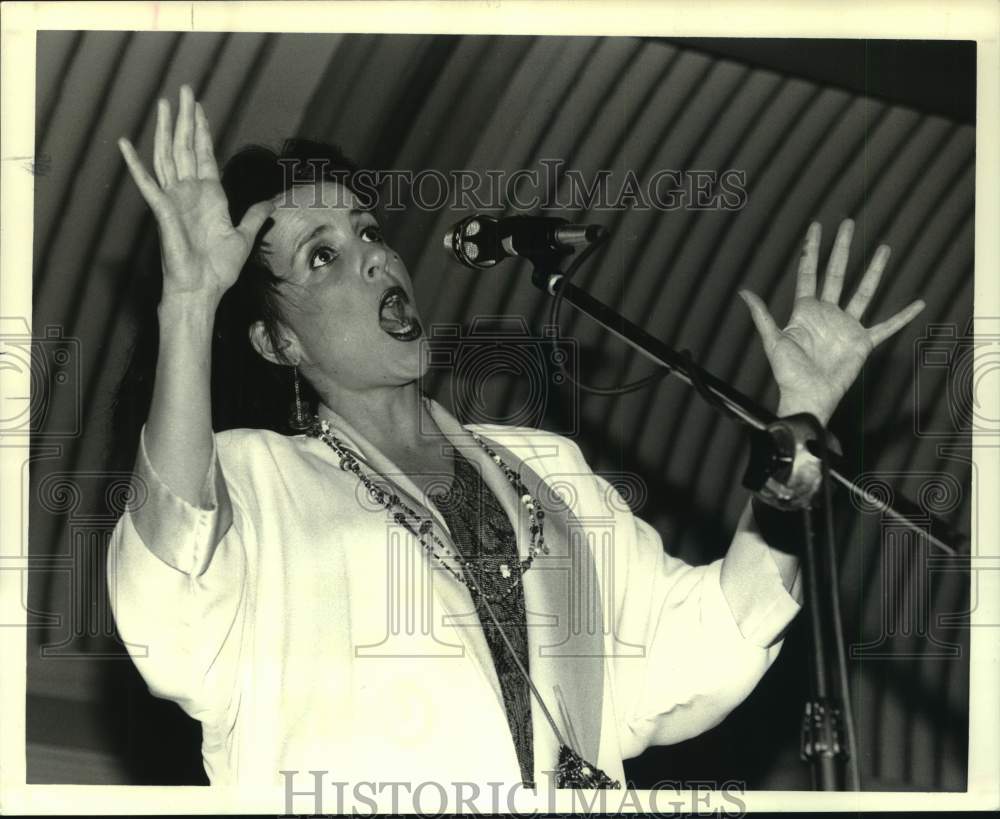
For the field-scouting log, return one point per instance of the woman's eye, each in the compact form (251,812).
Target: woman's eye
(371,233)
(321,256)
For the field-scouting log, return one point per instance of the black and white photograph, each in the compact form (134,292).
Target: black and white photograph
(473,417)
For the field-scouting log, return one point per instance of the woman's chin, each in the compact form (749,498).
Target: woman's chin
(406,360)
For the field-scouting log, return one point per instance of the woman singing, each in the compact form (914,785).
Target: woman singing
(385,594)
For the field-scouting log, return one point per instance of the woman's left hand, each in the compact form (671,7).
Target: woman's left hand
(816,358)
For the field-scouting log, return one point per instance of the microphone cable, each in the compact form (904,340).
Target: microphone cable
(557,299)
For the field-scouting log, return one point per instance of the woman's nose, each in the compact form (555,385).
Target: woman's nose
(375,262)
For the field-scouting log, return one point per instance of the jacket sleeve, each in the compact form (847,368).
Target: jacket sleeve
(695,646)
(176,579)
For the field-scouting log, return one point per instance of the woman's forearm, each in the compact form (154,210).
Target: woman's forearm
(202,254)
(178,432)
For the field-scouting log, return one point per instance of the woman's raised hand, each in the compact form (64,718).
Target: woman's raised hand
(202,251)
(821,350)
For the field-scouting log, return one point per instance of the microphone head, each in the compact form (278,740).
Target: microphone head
(480,241)
(473,241)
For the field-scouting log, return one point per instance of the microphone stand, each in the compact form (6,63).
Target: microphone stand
(789,457)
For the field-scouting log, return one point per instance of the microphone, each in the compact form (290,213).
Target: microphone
(480,241)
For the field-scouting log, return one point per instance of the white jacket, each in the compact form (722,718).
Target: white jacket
(308,631)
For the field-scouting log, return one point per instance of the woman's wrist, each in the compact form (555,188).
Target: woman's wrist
(795,405)
(188,309)
(186,328)
(781,529)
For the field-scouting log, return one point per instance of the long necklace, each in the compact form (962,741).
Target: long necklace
(572,770)
(422,527)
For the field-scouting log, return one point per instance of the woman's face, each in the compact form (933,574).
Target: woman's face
(347,296)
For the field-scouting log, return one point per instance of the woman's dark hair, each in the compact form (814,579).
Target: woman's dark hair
(247,390)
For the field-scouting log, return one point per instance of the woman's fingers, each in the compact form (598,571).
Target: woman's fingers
(762,320)
(184,159)
(147,185)
(205,156)
(805,284)
(869,283)
(253,220)
(880,332)
(833,281)
(163,158)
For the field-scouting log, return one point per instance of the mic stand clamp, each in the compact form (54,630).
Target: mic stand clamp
(545,273)
(784,469)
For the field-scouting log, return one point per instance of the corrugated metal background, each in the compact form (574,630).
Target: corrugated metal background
(490,102)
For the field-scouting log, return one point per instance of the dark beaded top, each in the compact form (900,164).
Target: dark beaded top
(484,535)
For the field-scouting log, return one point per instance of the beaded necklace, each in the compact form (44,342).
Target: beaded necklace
(422,527)
(572,770)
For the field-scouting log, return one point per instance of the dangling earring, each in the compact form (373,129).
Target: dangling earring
(297,419)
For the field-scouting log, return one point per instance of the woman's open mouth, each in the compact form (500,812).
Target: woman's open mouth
(397,317)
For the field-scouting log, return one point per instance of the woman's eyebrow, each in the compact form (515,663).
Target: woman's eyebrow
(306,239)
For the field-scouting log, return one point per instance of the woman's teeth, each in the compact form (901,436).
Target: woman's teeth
(395,317)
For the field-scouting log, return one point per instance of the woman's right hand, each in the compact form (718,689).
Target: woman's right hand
(201,250)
